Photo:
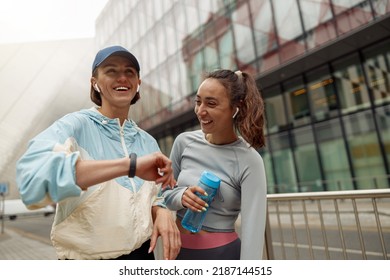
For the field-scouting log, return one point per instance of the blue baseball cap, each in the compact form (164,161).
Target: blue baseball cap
(103,54)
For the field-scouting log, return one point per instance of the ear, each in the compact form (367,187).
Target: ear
(94,84)
(235,114)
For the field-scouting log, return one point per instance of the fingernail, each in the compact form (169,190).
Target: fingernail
(198,210)
(206,205)
(206,194)
(150,250)
(204,209)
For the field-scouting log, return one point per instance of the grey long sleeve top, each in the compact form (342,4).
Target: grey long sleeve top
(243,186)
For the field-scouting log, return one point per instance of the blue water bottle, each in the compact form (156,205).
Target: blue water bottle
(193,221)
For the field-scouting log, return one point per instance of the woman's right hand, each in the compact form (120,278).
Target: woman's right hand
(191,201)
(156,167)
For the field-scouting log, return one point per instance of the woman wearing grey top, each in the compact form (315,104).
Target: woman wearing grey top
(230,110)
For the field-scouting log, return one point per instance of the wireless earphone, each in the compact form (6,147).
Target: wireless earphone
(138,88)
(95,86)
(235,114)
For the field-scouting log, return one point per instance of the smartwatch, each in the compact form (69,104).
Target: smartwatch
(133,165)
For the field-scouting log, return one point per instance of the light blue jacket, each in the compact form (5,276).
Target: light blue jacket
(107,220)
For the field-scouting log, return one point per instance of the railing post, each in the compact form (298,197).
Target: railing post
(2,207)
(268,240)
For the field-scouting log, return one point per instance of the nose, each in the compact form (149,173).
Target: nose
(200,109)
(121,76)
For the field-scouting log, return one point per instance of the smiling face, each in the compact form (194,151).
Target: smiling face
(214,112)
(117,80)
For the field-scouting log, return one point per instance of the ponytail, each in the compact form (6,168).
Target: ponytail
(250,123)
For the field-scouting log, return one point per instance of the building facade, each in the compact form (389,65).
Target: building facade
(323,67)
(40,82)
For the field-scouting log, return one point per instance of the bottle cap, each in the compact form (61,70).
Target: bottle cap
(210,179)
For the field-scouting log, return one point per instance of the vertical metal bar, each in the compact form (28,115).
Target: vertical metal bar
(324,237)
(294,233)
(308,230)
(338,185)
(340,226)
(268,239)
(379,227)
(280,231)
(2,210)
(359,229)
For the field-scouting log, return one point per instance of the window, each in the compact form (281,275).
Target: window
(322,95)
(364,149)
(377,66)
(306,159)
(283,163)
(317,20)
(333,155)
(274,109)
(245,48)
(297,103)
(351,85)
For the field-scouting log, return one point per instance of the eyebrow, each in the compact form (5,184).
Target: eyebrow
(208,98)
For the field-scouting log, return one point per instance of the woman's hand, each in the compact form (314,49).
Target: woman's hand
(156,167)
(165,227)
(191,201)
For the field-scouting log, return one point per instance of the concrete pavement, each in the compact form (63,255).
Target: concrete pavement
(16,245)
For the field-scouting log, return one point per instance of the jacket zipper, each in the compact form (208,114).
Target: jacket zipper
(122,136)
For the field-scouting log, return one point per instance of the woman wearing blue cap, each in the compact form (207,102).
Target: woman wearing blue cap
(103,171)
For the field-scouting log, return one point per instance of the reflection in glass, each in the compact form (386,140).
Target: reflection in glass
(264,33)
(274,109)
(226,51)
(364,149)
(383,120)
(297,103)
(333,155)
(351,85)
(283,164)
(322,96)
(245,47)
(317,20)
(289,29)
(350,14)
(377,66)
(380,7)
(306,159)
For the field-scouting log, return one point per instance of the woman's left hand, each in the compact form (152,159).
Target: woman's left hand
(193,202)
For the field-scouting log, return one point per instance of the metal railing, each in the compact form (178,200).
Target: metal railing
(329,225)
(374,182)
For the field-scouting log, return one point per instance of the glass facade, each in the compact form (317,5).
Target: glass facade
(323,67)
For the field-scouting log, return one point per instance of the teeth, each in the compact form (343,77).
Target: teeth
(206,122)
(121,88)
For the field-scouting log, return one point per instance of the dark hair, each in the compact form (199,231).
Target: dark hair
(96,97)
(243,92)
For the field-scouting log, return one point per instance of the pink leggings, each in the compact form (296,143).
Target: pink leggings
(207,240)
(210,246)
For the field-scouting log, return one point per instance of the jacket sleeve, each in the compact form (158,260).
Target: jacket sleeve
(253,209)
(46,172)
